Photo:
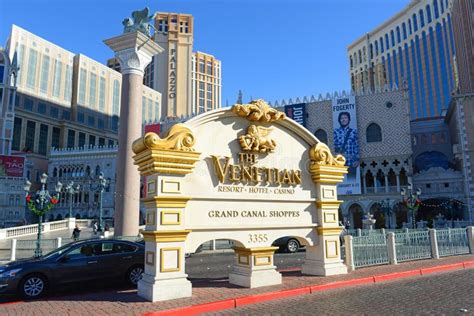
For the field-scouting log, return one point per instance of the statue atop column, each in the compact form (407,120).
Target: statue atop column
(140,21)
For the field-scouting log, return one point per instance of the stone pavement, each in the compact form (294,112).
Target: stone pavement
(126,301)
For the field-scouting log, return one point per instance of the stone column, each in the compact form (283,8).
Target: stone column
(164,162)
(253,267)
(324,258)
(134,50)
(398,182)
(364,183)
(386,184)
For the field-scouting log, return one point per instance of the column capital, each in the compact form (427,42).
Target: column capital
(134,50)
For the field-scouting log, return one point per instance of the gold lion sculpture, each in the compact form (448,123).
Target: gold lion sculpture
(256,140)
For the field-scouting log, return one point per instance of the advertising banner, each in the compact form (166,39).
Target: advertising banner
(346,142)
(297,112)
(11,166)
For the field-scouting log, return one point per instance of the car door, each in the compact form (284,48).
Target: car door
(78,264)
(108,260)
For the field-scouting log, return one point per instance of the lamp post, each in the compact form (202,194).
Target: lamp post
(385,204)
(71,191)
(100,187)
(412,202)
(39,203)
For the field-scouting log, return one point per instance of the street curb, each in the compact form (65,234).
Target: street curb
(263,297)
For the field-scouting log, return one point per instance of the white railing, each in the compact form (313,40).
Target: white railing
(20,231)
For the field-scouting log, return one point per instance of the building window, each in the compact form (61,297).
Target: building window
(435,7)
(82,86)
(66,115)
(183,27)
(58,69)
(91,140)
(115,121)
(422,18)
(102,94)
(82,139)
(428,13)
(116,98)
(80,117)
(111,143)
(415,24)
(209,96)
(55,137)
(68,84)
(71,137)
(404,30)
(163,26)
(101,141)
(28,104)
(100,123)
(31,75)
(201,66)
(91,121)
(374,133)
(30,136)
(398,35)
(16,133)
(150,110)
(44,74)
(321,135)
(92,90)
(42,108)
(2,72)
(209,68)
(201,96)
(43,139)
(53,112)
(392,36)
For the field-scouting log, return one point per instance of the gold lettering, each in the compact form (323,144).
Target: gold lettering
(221,170)
(296,177)
(246,174)
(234,173)
(269,178)
(286,177)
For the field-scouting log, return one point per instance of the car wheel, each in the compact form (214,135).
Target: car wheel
(134,274)
(33,286)
(292,245)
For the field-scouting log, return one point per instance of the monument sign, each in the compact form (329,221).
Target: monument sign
(248,174)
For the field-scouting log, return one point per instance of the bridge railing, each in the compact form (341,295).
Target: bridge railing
(20,231)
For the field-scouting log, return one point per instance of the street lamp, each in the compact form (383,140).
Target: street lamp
(39,203)
(71,190)
(412,202)
(100,187)
(385,204)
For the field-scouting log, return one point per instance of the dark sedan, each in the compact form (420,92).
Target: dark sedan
(75,262)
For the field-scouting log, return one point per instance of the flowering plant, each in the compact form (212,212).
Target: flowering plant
(46,207)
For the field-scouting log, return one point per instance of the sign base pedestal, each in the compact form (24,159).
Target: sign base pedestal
(246,278)
(316,267)
(162,290)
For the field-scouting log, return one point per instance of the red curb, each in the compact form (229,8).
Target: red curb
(397,275)
(9,303)
(252,299)
(446,267)
(335,285)
(468,264)
(196,309)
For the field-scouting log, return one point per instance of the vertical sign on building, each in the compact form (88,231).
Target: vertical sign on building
(172,80)
(346,142)
(297,112)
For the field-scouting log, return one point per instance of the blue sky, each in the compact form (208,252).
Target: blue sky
(270,49)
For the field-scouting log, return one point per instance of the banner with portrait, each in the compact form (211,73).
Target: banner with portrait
(346,142)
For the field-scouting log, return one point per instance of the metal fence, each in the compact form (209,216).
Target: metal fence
(370,250)
(452,241)
(413,245)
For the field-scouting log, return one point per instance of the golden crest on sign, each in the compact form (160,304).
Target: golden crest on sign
(257,140)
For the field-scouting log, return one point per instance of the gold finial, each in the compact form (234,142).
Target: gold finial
(258,111)
(321,155)
(179,138)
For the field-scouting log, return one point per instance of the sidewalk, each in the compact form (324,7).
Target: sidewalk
(126,302)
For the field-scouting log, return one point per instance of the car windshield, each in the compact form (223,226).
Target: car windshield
(58,251)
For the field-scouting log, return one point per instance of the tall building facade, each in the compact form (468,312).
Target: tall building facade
(206,83)
(65,99)
(414,49)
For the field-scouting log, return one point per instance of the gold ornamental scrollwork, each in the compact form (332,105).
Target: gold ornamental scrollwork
(257,140)
(321,155)
(258,111)
(179,138)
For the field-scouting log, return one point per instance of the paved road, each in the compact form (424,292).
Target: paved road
(450,293)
